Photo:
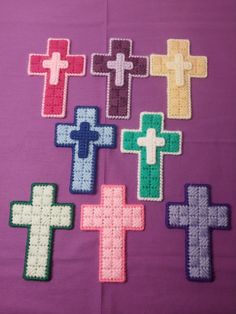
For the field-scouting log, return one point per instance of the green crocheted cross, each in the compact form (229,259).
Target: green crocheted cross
(41,215)
(151,142)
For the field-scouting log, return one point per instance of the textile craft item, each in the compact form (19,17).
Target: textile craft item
(112,218)
(199,217)
(56,66)
(41,216)
(120,66)
(85,136)
(179,67)
(151,142)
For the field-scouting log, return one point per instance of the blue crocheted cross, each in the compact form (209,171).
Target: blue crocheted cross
(85,136)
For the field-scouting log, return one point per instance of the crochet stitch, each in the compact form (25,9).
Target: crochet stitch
(85,137)
(113,217)
(179,67)
(151,142)
(56,66)
(42,215)
(120,66)
(198,216)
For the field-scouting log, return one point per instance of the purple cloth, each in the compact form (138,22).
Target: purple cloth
(155,258)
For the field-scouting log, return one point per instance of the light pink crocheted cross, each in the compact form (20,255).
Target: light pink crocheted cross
(112,218)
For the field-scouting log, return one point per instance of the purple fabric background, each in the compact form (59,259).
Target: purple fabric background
(156,276)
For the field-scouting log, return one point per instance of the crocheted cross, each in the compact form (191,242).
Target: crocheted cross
(85,137)
(113,217)
(120,66)
(56,66)
(42,215)
(199,217)
(179,67)
(151,142)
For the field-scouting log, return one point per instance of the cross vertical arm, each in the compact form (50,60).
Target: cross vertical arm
(88,114)
(179,98)
(61,44)
(83,171)
(153,120)
(175,46)
(150,179)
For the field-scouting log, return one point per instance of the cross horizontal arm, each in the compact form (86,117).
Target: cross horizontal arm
(35,64)
(158,65)
(62,216)
(199,66)
(77,65)
(107,136)
(62,135)
(173,142)
(129,140)
(21,214)
(219,217)
(140,66)
(178,215)
(91,217)
(133,217)
(99,64)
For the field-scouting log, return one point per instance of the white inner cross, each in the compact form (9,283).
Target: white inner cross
(120,65)
(55,64)
(40,216)
(151,142)
(179,65)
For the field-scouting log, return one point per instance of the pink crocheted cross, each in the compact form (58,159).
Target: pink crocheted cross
(113,217)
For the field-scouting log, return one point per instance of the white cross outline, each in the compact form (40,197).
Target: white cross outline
(129,76)
(179,66)
(55,64)
(161,153)
(120,65)
(62,115)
